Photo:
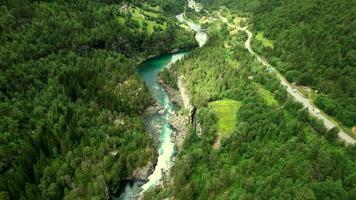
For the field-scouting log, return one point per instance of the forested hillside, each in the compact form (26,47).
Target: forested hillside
(71,102)
(275,151)
(313,45)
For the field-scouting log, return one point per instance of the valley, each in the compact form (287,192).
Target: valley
(148,100)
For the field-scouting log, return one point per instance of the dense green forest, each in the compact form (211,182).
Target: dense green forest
(71,102)
(313,45)
(276,151)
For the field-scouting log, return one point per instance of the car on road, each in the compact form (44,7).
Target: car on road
(316,111)
(294,90)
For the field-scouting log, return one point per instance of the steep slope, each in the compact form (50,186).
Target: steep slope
(71,101)
(313,44)
(276,151)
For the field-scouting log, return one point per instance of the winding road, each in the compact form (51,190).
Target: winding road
(307,103)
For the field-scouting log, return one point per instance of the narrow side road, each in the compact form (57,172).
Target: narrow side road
(307,103)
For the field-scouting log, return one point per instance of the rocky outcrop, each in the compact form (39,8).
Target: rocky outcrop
(173,94)
(181,123)
(185,98)
(179,120)
(155,108)
(143,172)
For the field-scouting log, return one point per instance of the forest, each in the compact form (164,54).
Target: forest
(72,104)
(313,46)
(71,101)
(276,150)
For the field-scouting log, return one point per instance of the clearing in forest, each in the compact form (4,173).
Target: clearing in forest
(265,42)
(148,18)
(226,111)
(267,95)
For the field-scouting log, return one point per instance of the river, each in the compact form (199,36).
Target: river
(158,125)
(200,35)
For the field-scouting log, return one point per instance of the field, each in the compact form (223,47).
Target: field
(265,42)
(146,17)
(226,111)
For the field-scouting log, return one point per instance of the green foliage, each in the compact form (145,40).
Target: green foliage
(226,111)
(342,109)
(208,119)
(332,134)
(145,20)
(68,122)
(269,98)
(276,151)
(71,101)
(168,78)
(265,42)
(312,41)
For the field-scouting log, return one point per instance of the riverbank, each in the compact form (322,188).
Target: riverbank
(180,118)
(170,126)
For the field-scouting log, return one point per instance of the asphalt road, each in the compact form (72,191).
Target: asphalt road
(313,110)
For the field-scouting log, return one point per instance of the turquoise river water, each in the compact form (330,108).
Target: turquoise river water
(157,124)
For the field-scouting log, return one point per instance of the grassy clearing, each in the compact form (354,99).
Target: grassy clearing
(141,16)
(136,14)
(226,111)
(149,6)
(271,101)
(227,45)
(121,20)
(205,20)
(239,21)
(265,42)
